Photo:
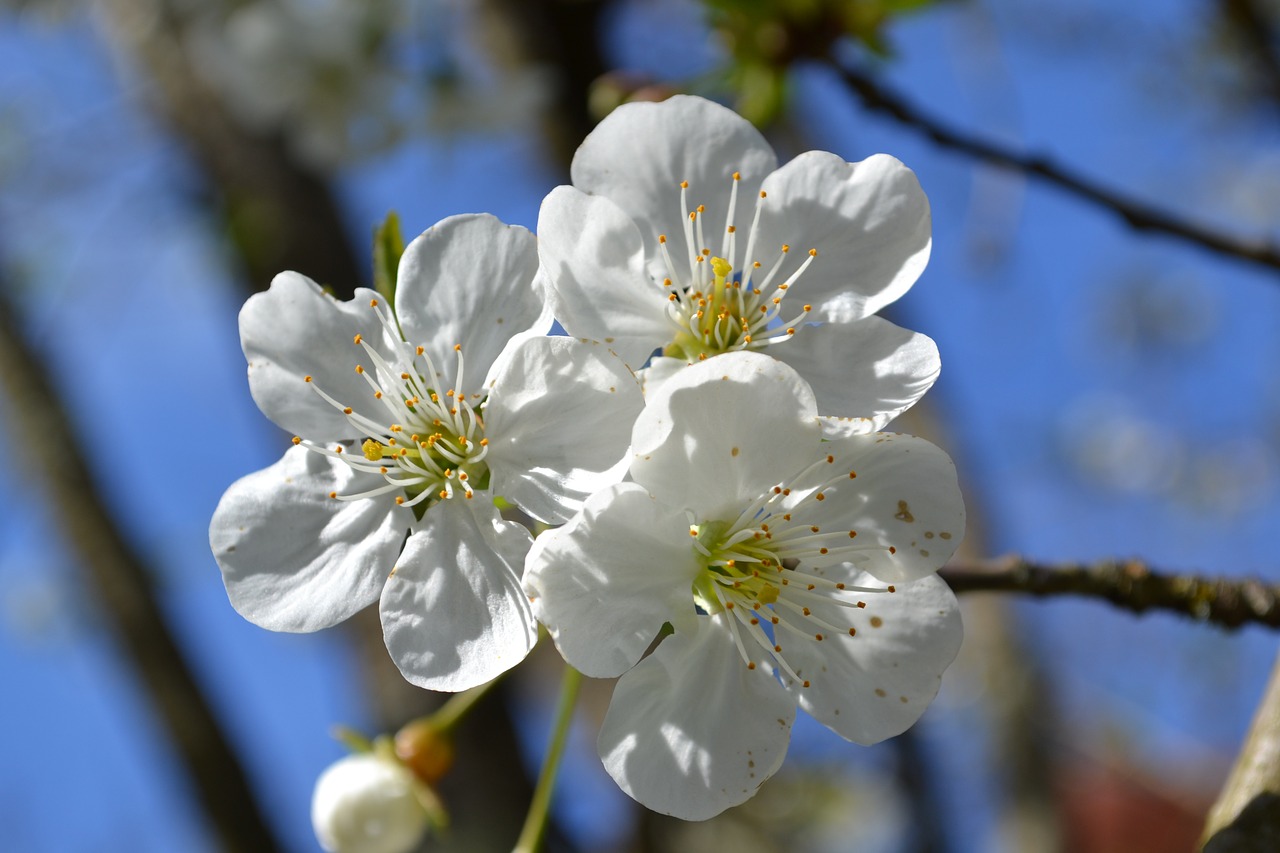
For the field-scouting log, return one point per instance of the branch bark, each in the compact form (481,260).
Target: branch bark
(121,582)
(1137,214)
(1130,585)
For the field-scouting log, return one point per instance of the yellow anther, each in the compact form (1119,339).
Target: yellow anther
(737,176)
(785,248)
(333,495)
(359,369)
(763,194)
(662,238)
(702,208)
(373,303)
(306,379)
(457,347)
(297,439)
(755,265)
(813,253)
(721,267)
(372,450)
(808,308)
(731,228)
(684,185)
(399,500)
(377,395)
(357,339)
(347,410)
(484,442)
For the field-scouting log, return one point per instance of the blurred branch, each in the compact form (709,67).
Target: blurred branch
(122,587)
(281,212)
(1128,584)
(559,34)
(1246,817)
(1254,31)
(1138,215)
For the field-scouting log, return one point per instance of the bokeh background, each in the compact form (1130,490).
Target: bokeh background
(1106,392)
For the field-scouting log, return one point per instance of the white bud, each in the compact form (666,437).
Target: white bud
(366,804)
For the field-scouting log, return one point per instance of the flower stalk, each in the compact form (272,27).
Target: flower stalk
(535,824)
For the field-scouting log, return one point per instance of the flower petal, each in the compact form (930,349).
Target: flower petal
(869,222)
(904,504)
(863,374)
(605,583)
(638,155)
(593,258)
(453,613)
(469,280)
(691,730)
(294,330)
(559,422)
(721,432)
(293,559)
(877,683)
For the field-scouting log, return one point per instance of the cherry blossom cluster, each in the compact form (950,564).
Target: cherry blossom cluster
(724,526)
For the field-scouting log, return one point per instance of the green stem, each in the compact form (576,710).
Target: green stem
(448,715)
(535,824)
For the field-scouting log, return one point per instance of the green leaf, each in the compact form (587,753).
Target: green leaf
(388,246)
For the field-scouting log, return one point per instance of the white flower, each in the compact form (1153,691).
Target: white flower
(792,570)
(680,233)
(367,803)
(400,436)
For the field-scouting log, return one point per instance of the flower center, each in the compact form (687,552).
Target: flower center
(712,309)
(427,444)
(757,568)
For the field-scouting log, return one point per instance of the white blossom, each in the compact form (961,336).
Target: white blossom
(367,803)
(681,235)
(792,569)
(407,426)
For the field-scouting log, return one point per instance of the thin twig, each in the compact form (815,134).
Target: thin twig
(1128,584)
(1139,215)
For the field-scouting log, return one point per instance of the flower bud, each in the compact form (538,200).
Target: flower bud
(367,803)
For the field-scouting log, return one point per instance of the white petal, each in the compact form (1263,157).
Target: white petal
(294,559)
(453,613)
(691,731)
(294,330)
(638,155)
(593,258)
(877,683)
(605,583)
(559,422)
(904,504)
(660,369)
(721,432)
(469,280)
(863,374)
(869,222)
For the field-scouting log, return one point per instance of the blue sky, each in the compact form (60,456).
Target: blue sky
(1088,428)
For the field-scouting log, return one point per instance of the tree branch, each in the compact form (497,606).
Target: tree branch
(1128,584)
(121,583)
(1138,215)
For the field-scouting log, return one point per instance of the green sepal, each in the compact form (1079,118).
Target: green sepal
(352,739)
(388,246)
